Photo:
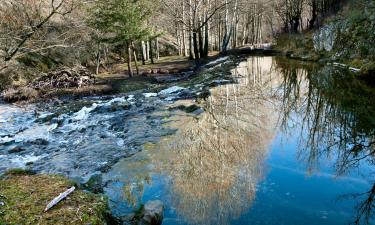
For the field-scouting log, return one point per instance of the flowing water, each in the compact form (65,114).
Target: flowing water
(286,143)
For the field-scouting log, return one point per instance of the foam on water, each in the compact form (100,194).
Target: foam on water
(171,90)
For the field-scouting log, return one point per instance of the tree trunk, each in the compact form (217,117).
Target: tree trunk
(130,71)
(200,42)
(135,58)
(151,51)
(157,48)
(226,29)
(98,60)
(295,24)
(148,50)
(191,56)
(314,15)
(205,50)
(143,47)
(195,43)
(184,50)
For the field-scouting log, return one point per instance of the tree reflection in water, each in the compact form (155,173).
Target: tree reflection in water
(215,160)
(218,158)
(338,121)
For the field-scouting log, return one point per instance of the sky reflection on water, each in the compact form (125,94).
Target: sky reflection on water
(287,144)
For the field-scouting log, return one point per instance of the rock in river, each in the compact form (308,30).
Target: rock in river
(152,213)
(16,150)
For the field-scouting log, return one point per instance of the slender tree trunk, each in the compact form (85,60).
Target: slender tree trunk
(130,70)
(143,47)
(178,39)
(157,48)
(98,60)
(191,56)
(200,42)
(184,49)
(151,52)
(148,50)
(205,50)
(226,37)
(195,43)
(135,57)
(314,14)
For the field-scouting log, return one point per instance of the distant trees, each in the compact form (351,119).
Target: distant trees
(294,13)
(217,25)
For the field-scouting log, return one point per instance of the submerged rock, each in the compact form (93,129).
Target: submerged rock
(153,213)
(16,150)
(39,141)
(94,183)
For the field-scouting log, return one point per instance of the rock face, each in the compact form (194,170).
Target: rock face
(152,213)
(65,77)
(324,39)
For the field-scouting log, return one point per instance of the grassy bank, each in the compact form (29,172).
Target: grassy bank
(24,196)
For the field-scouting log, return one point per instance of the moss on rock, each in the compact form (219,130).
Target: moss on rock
(24,197)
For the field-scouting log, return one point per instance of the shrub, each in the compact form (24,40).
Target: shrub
(19,94)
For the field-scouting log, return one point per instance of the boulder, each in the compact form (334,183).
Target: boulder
(155,71)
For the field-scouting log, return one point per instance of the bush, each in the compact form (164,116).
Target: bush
(19,94)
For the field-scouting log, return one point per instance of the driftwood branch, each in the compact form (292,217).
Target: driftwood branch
(58,199)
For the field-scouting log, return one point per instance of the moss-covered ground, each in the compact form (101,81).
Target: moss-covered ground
(24,196)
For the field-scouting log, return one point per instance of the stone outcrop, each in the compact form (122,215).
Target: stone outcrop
(324,39)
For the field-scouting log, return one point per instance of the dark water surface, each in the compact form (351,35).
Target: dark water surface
(287,144)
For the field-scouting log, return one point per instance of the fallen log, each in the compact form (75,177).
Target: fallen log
(58,199)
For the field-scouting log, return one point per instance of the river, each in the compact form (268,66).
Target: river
(285,143)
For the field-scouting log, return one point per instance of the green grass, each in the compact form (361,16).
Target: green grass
(25,197)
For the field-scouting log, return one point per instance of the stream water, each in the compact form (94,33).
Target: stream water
(286,143)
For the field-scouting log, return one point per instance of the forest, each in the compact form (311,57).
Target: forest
(38,36)
(150,112)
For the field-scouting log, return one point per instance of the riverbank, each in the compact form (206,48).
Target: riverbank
(344,40)
(114,79)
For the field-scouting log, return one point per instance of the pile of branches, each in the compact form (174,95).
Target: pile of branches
(65,77)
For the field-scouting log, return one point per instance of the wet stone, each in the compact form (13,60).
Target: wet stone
(153,213)
(16,150)
(94,183)
(39,141)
